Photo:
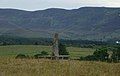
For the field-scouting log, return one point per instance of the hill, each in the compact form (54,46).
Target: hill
(87,23)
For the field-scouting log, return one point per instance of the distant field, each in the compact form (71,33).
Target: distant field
(38,67)
(13,50)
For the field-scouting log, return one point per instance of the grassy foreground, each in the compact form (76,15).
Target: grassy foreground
(34,67)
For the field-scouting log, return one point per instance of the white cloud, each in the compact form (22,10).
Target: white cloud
(42,4)
(113,3)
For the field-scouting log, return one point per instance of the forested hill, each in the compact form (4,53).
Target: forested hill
(88,23)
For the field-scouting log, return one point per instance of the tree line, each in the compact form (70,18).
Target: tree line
(7,40)
(111,54)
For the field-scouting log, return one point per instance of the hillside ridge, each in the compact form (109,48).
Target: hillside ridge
(87,23)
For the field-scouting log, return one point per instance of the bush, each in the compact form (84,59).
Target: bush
(90,58)
(21,56)
(99,55)
(43,53)
(37,56)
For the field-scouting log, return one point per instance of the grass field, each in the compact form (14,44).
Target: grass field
(38,67)
(13,50)
(9,66)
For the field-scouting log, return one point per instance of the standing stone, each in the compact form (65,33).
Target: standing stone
(55,46)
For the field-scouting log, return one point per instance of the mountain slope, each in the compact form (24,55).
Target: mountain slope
(92,23)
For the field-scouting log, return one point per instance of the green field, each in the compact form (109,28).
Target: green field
(9,66)
(13,50)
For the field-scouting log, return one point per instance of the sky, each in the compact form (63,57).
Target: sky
(32,5)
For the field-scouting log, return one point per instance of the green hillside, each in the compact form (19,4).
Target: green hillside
(91,23)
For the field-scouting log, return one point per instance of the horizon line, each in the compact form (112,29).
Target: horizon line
(22,9)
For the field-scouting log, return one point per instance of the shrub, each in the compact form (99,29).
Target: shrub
(99,55)
(90,58)
(43,53)
(37,56)
(21,56)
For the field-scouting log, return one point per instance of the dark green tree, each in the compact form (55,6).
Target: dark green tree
(62,50)
(116,54)
(36,43)
(101,54)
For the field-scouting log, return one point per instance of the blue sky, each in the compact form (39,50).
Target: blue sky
(67,4)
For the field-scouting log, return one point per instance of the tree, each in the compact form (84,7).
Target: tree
(62,50)
(36,43)
(116,54)
(101,54)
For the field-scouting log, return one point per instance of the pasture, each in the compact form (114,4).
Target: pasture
(9,66)
(13,50)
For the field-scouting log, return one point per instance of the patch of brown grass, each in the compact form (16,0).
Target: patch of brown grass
(43,67)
